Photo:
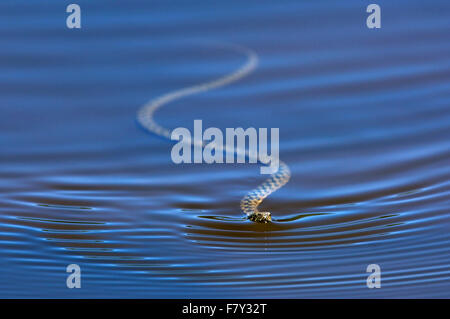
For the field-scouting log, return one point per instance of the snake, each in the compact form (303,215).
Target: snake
(250,202)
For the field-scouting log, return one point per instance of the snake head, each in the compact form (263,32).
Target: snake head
(261,217)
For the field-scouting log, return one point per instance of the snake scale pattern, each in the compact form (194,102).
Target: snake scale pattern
(250,202)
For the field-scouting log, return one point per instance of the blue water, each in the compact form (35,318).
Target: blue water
(364,118)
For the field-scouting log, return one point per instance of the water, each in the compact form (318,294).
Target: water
(364,122)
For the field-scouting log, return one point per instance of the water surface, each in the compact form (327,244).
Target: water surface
(364,120)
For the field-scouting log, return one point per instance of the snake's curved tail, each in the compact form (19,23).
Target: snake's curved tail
(145,116)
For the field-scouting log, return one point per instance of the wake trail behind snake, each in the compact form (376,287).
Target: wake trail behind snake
(251,201)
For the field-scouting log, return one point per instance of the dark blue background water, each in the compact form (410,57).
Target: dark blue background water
(364,120)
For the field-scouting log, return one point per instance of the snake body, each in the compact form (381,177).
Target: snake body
(250,202)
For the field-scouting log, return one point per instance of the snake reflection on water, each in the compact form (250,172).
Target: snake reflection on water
(251,201)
